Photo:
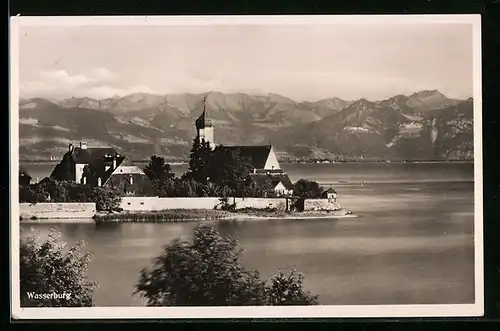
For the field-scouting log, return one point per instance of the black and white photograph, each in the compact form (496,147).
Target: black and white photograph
(246,166)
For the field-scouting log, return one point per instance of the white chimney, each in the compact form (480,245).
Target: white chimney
(99,181)
(83,145)
(70,147)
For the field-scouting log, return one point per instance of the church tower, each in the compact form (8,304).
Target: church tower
(204,126)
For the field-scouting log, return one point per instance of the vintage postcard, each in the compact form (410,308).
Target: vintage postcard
(246,166)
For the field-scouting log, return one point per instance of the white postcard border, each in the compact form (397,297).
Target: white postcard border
(322,311)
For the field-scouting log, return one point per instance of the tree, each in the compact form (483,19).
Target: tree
(254,189)
(288,290)
(49,267)
(78,192)
(55,189)
(199,161)
(208,271)
(157,170)
(105,198)
(229,168)
(33,193)
(307,189)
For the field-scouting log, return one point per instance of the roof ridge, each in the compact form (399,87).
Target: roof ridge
(222,145)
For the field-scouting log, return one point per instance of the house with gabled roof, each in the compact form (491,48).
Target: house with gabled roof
(73,162)
(100,166)
(280,182)
(329,194)
(129,179)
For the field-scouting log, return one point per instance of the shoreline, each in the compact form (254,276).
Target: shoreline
(190,215)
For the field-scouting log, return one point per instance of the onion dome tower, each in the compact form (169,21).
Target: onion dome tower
(204,126)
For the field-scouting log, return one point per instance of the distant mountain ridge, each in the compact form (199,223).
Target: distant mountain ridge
(423,125)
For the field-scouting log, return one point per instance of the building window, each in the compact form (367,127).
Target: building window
(142,203)
(128,203)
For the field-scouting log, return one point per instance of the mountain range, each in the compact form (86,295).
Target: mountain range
(425,125)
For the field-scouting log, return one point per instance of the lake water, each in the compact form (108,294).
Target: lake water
(412,243)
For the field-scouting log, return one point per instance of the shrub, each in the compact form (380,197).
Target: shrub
(49,267)
(288,290)
(106,198)
(307,189)
(206,271)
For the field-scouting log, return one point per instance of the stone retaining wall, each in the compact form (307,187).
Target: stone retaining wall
(57,210)
(320,205)
(156,203)
(135,204)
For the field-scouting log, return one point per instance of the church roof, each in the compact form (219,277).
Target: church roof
(204,121)
(257,154)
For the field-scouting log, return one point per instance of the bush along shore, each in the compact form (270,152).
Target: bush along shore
(161,216)
(186,215)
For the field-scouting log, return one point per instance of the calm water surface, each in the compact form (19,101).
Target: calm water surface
(411,244)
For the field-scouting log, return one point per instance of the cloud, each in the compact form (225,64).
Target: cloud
(300,85)
(103,74)
(105,91)
(63,77)
(99,83)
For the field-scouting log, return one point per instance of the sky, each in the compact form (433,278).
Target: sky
(303,62)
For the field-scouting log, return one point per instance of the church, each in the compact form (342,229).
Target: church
(262,157)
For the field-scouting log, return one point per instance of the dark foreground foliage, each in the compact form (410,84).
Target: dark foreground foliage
(50,268)
(207,271)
